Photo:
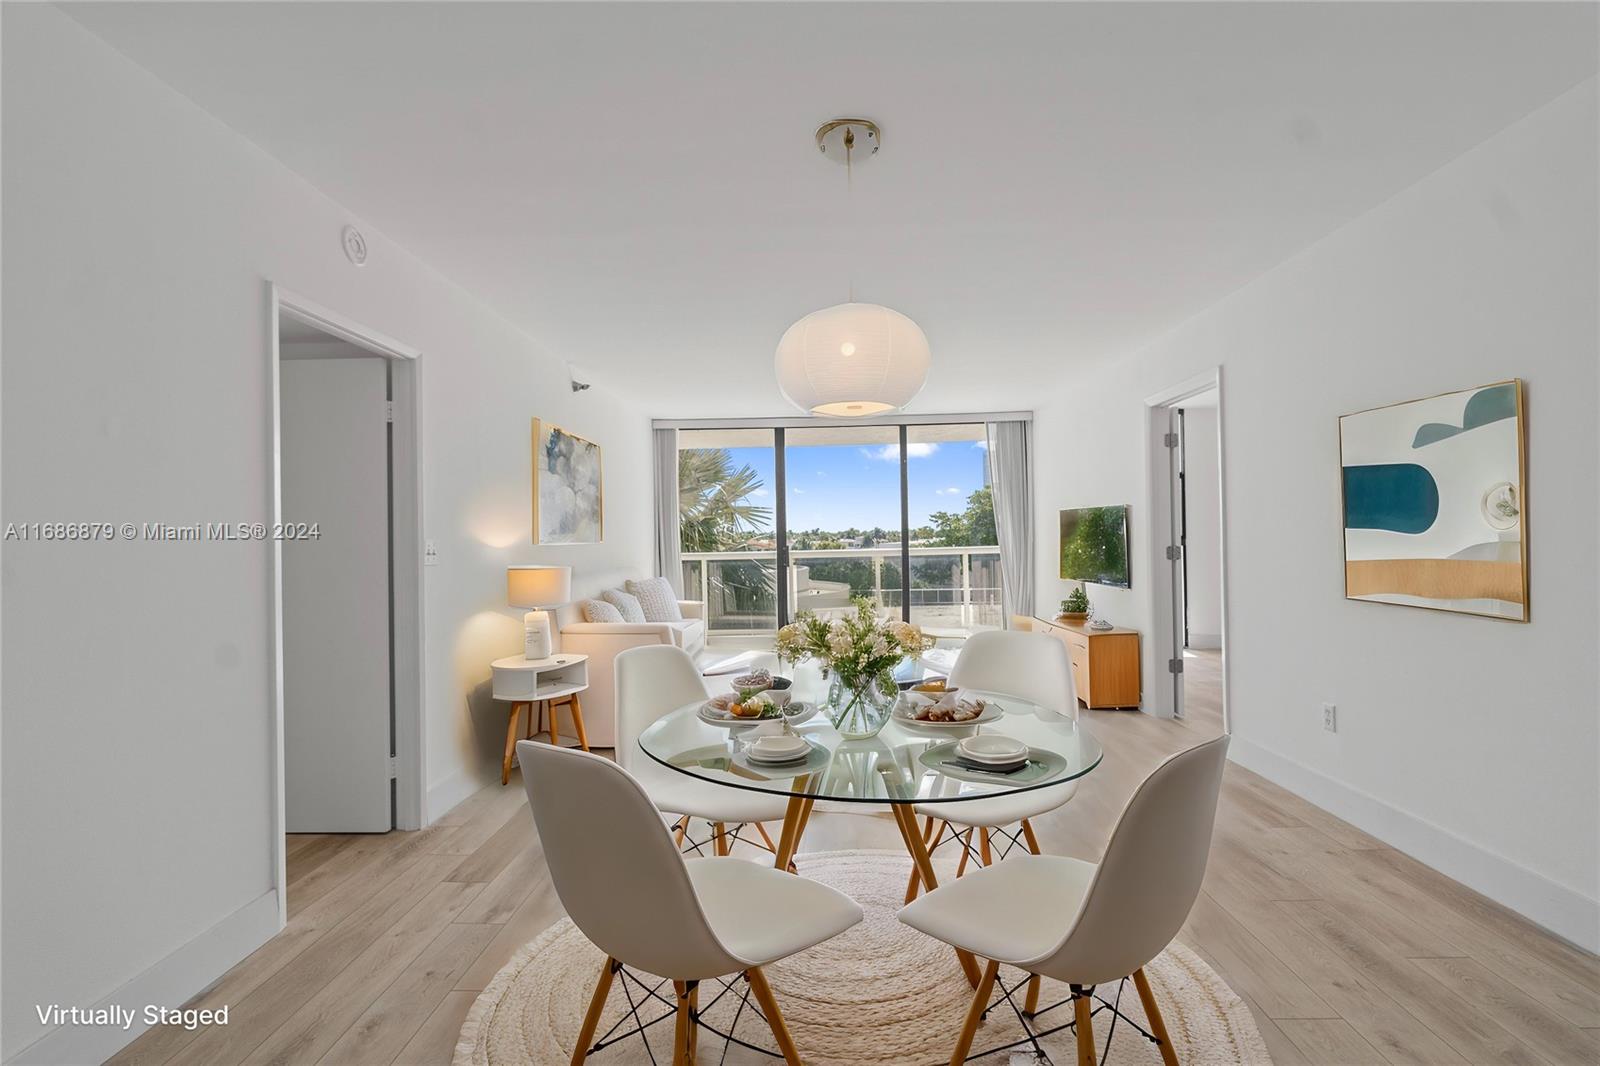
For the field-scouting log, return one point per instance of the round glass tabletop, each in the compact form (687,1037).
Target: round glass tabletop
(908,762)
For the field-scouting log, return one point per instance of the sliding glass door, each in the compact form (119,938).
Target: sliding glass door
(780,521)
(843,518)
(727,485)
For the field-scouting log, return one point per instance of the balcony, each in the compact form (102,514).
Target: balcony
(955,592)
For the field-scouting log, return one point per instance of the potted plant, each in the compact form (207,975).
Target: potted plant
(860,651)
(1075,607)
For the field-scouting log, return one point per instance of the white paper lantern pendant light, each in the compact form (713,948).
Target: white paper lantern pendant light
(853,359)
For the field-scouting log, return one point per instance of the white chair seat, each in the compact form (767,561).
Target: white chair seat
(760,914)
(1010,912)
(1004,809)
(675,793)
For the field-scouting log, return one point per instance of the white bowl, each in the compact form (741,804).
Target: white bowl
(992,748)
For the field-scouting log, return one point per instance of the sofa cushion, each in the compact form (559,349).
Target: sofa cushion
(625,603)
(600,611)
(658,599)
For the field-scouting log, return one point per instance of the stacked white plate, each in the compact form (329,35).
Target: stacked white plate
(990,751)
(777,748)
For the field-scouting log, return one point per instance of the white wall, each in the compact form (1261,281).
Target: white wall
(1469,742)
(1203,544)
(140,235)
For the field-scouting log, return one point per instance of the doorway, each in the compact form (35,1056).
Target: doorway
(1185,672)
(1200,556)
(347,553)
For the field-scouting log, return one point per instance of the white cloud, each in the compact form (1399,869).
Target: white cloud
(951,491)
(890,453)
(801,491)
(760,492)
(983,444)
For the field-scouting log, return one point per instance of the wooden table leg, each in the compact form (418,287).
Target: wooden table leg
(794,824)
(550,705)
(511,742)
(906,819)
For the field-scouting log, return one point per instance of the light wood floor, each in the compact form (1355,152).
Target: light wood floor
(1346,950)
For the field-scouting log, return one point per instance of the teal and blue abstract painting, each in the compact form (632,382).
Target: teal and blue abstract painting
(1433,504)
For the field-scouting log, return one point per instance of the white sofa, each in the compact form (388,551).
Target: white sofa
(603,641)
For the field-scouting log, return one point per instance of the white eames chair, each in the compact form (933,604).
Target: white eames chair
(1029,666)
(1084,923)
(629,890)
(654,680)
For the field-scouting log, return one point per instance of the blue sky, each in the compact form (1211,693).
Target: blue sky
(836,487)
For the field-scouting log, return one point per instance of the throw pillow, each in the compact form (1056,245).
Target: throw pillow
(659,601)
(628,605)
(600,611)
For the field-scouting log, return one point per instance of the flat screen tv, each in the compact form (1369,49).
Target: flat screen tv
(1094,545)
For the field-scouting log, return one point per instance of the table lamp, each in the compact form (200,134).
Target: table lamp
(538,588)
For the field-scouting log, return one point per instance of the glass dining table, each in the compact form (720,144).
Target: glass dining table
(908,763)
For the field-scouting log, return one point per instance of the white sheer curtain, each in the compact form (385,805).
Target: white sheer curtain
(1011,477)
(669,553)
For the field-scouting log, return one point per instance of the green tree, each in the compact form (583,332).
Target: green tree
(714,508)
(973,526)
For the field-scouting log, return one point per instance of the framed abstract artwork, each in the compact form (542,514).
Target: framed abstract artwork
(568,488)
(1434,509)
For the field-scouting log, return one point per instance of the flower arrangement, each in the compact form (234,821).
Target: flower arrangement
(860,649)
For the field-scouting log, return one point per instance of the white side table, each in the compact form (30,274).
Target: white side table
(545,684)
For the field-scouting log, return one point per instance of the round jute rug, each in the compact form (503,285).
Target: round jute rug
(881,993)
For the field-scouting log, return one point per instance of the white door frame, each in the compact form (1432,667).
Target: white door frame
(1164,697)
(407,548)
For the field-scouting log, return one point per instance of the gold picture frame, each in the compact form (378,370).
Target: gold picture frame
(568,487)
(1433,502)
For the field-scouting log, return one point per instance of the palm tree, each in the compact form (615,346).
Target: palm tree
(713,509)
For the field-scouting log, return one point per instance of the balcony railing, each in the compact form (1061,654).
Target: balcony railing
(954,591)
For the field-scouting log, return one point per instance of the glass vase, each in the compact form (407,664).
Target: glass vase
(858,712)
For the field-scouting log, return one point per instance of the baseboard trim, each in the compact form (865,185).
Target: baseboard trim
(443,797)
(1564,911)
(171,982)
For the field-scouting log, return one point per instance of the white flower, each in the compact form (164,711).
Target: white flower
(880,645)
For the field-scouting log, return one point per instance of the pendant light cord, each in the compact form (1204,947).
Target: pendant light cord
(850,210)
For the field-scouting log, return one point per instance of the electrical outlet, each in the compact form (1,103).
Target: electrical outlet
(430,554)
(1330,718)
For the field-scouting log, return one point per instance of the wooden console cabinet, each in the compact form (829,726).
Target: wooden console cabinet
(1105,662)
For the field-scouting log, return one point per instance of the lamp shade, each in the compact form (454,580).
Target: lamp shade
(852,360)
(538,586)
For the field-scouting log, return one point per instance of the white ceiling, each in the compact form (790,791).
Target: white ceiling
(636,186)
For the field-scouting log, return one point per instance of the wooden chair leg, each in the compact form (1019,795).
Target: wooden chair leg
(693,1048)
(577,721)
(980,1002)
(1031,1006)
(769,1007)
(720,832)
(511,743)
(983,847)
(680,1032)
(966,852)
(1027,834)
(1082,1008)
(1152,1013)
(763,831)
(680,831)
(597,1004)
